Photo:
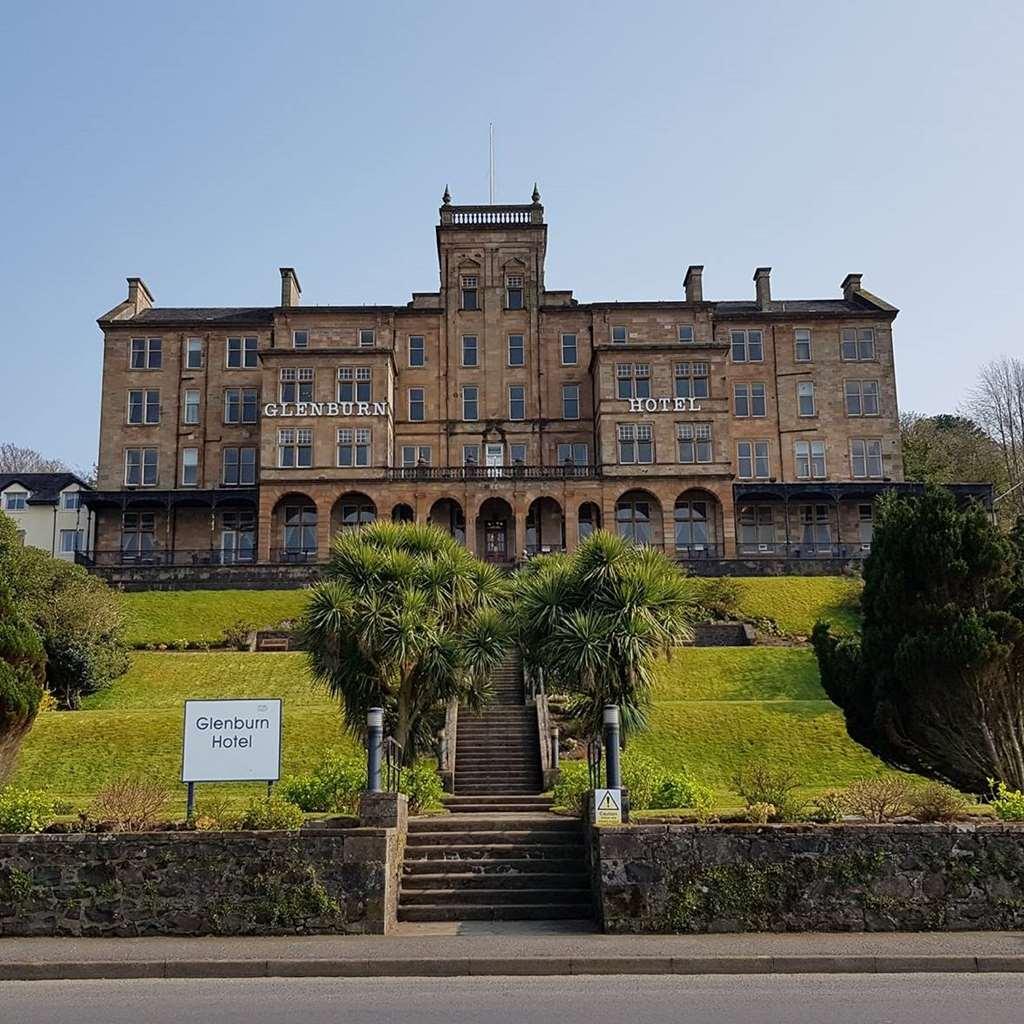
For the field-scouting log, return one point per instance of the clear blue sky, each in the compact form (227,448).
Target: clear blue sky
(202,146)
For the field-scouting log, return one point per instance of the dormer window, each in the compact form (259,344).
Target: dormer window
(514,292)
(367,337)
(470,299)
(15,501)
(620,335)
(300,339)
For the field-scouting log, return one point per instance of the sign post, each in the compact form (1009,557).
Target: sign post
(231,741)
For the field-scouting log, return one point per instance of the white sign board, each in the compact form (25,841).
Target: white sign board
(232,741)
(607,806)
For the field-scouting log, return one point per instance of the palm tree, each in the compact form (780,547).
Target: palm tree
(405,619)
(594,621)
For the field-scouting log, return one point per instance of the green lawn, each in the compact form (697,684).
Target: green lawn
(135,727)
(797,602)
(161,617)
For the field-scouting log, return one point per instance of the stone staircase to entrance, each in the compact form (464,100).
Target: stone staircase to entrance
(500,855)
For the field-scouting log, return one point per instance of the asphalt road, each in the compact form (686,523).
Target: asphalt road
(790,999)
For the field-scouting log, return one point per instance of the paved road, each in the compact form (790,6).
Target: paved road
(792,999)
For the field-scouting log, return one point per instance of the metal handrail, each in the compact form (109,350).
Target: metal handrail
(595,754)
(393,753)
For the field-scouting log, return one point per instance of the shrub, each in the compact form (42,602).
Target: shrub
(211,815)
(333,785)
(828,808)
(761,784)
(131,804)
(641,775)
(24,810)
(703,805)
(720,596)
(879,800)
(573,783)
(237,635)
(1007,803)
(936,802)
(269,813)
(677,789)
(422,785)
(761,813)
(649,786)
(179,645)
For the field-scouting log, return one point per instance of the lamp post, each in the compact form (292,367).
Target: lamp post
(613,774)
(374,744)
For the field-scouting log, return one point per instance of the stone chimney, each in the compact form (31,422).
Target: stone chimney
(693,284)
(851,285)
(291,290)
(763,286)
(139,296)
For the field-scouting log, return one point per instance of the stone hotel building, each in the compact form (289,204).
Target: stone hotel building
(511,414)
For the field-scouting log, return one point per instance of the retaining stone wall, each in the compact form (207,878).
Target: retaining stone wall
(723,634)
(796,878)
(200,883)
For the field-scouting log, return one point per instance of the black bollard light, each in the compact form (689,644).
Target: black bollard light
(374,745)
(613,774)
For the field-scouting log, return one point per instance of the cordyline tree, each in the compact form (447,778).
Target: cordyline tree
(405,619)
(935,682)
(22,661)
(595,621)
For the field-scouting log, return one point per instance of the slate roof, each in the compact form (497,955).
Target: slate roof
(44,488)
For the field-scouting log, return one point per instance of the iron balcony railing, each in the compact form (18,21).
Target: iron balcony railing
(463,473)
(805,550)
(159,556)
(294,556)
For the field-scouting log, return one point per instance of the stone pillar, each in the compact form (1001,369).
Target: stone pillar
(324,504)
(384,810)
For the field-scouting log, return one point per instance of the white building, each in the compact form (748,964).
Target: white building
(48,512)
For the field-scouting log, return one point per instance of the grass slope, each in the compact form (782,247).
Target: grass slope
(160,617)
(135,727)
(797,602)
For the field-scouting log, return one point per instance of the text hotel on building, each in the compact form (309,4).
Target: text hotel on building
(510,414)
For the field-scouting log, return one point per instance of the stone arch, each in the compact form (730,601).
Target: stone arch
(496,531)
(447,514)
(403,513)
(698,525)
(545,526)
(294,528)
(352,510)
(638,517)
(588,519)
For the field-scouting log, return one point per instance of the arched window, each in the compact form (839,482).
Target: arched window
(589,520)
(634,517)
(692,525)
(403,514)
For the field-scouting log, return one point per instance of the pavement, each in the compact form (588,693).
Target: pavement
(712,999)
(529,948)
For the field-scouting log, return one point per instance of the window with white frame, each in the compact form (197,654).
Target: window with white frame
(194,354)
(757,527)
(295,448)
(417,350)
(297,384)
(693,442)
(815,526)
(190,407)
(242,353)
(353,446)
(146,354)
(752,460)
(470,292)
(471,455)
(189,467)
(516,350)
(636,443)
(416,455)
(514,292)
(516,402)
(470,350)
(71,541)
(517,454)
(633,380)
(749,399)
(802,345)
(685,334)
(144,407)
(810,460)
(417,405)
(747,346)
(367,337)
(857,344)
(141,467)
(620,335)
(570,350)
(300,339)
(861,397)
(138,533)
(238,466)
(70,501)
(865,524)
(573,453)
(241,405)
(355,384)
(691,380)
(570,401)
(865,458)
(470,402)
(15,501)
(805,398)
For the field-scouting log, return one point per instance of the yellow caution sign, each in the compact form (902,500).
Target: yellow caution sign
(608,806)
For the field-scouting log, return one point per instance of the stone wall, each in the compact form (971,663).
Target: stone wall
(200,883)
(723,634)
(207,577)
(794,878)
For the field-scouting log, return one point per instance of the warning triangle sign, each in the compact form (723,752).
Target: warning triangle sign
(608,803)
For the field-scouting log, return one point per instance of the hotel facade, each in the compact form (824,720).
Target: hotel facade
(508,413)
